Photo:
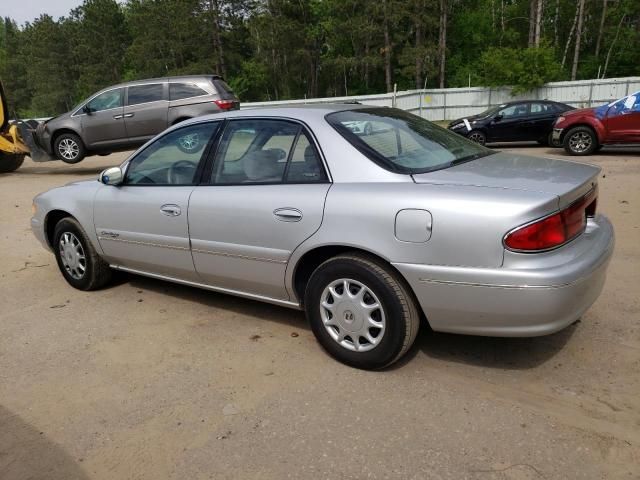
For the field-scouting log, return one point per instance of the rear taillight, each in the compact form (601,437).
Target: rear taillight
(225,104)
(555,230)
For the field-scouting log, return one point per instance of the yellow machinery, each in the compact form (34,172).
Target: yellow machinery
(12,148)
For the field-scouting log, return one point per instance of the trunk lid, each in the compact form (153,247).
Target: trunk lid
(566,180)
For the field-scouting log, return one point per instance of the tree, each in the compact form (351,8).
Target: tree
(576,54)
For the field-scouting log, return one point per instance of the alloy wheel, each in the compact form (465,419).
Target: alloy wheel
(68,149)
(580,142)
(477,137)
(72,255)
(352,315)
(190,142)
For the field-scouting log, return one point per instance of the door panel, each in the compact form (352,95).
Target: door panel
(145,113)
(540,120)
(143,224)
(240,242)
(135,233)
(623,120)
(104,126)
(511,126)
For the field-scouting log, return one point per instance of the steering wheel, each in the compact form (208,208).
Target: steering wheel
(181,172)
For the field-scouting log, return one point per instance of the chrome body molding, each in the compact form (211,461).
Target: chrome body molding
(113,237)
(233,255)
(237,293)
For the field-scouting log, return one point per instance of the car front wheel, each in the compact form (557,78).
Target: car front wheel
(580,141)
(361,311)
(477,136)
(78,261)
(69,148)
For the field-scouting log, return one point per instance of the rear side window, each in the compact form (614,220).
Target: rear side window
(258,151)
(538,108)
(145,93)
(179,91)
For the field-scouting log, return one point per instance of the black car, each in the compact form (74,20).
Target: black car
(512,122)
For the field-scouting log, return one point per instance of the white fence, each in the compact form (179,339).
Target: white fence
(450,103)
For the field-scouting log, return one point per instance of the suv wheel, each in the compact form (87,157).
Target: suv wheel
(580,141)
(361,311)
(69,148)
(190,143)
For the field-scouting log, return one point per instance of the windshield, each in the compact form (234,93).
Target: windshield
(490,111)
(402,142)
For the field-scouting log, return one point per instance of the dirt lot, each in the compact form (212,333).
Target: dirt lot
(147,380)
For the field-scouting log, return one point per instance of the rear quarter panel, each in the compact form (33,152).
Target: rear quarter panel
(468,223)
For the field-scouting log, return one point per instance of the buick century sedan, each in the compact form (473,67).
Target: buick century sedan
(370,233)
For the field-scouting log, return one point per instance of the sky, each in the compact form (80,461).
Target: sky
(28,10)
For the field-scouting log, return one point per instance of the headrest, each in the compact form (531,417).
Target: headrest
(261,165)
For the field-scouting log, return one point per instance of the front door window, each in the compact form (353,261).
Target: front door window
(172,159)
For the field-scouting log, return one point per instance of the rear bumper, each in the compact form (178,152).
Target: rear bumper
(530,295)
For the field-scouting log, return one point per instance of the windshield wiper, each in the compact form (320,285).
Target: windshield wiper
(469,158)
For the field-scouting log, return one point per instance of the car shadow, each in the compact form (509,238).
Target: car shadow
(501,353)
(27,453)
(490,352)
(243,306)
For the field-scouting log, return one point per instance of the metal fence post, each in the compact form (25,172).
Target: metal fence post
(420,103)
(591,92)
(444,101)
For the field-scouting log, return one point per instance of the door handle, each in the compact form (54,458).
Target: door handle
(287,214)
(117,117)
(128,115)
(170,210)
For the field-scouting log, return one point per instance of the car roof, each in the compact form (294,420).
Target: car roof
(299,112)
(144,81)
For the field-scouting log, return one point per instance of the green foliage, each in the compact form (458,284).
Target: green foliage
(281,49)
(524,69)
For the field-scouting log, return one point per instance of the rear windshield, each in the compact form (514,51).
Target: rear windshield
(402,142)
(223,89)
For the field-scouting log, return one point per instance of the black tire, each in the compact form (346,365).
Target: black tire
(546,141)
(96,271)
(477,136)
(401,316)
(69,148)
(580,141)
(10,162)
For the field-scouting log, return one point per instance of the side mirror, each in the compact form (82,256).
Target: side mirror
(112,176)
(497,118)
(87,109)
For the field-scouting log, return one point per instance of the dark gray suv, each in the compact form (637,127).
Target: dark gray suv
(127,115)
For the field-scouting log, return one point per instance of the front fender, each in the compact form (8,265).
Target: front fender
(75,199)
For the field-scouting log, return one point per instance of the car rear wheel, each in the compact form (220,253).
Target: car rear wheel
(78,261)
(69,148)
(580,141)
(10,162)
(477,136)
(190,143)
(361,311)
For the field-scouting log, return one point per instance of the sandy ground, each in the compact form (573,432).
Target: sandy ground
(147,380)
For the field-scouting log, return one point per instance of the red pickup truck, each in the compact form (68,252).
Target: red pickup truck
(584,131)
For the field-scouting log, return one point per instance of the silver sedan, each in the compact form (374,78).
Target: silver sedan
(370,233)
